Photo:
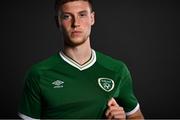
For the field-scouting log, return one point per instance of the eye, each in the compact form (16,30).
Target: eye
(83,14)
(65,17)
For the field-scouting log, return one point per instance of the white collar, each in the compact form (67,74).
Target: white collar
(86,65)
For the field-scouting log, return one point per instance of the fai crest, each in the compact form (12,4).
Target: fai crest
(106,84)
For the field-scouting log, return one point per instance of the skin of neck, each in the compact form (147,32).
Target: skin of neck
(80,53)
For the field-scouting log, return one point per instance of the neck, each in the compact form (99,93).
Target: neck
(81,53)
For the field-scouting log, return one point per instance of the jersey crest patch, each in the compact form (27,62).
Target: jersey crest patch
(106,84)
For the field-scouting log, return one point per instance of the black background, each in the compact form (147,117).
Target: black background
(143,34)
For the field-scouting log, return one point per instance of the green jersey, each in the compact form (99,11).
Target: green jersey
(59,87)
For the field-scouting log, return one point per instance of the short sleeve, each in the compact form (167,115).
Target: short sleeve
(126,97)
(30,104)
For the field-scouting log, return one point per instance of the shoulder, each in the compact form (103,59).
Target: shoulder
(43,65)
(110,62)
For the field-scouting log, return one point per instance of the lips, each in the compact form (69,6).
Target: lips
(76,33)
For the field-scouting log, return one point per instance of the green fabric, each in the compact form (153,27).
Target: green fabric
(55,89)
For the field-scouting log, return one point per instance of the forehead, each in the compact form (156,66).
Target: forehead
(75,6)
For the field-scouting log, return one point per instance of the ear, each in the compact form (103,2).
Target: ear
(92,18)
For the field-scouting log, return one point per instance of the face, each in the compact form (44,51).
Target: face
(76,20)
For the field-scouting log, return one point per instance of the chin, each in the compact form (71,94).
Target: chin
(75,42)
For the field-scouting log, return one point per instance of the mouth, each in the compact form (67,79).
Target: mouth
(76,33)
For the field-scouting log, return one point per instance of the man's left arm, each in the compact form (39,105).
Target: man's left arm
(137,115)
(115,111)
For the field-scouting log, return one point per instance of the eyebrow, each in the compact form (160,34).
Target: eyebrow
(83,11)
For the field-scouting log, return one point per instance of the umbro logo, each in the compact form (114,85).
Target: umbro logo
(58,84)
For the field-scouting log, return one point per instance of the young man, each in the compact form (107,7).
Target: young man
(78,82)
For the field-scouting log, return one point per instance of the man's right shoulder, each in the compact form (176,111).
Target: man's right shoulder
(45,64)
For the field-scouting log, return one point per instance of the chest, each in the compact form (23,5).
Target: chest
(72,90)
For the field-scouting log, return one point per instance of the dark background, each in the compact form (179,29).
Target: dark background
(143,34)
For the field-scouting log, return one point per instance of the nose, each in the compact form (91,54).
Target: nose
(76,22)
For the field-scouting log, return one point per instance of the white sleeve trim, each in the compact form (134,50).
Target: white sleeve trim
(133,111)
(24,117)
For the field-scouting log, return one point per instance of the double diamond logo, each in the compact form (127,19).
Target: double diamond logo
(106,84)
(58,84)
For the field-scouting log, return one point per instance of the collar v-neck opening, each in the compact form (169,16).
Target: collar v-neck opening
(75,64)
